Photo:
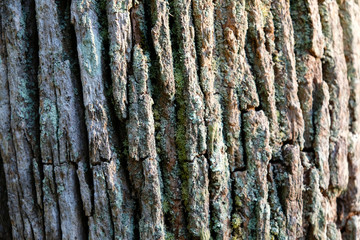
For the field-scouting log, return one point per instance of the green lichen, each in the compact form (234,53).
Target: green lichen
(90,49)
(180,137)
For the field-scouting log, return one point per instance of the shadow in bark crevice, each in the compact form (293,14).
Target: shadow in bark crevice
(5,226)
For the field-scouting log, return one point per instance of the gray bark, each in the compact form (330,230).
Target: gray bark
(179,119)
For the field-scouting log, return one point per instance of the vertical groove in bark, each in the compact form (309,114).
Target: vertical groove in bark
(117,181)
(88,47)
(308,51)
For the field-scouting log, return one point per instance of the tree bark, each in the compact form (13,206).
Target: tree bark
(179,119)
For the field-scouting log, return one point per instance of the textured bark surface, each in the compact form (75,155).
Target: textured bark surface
(180,119)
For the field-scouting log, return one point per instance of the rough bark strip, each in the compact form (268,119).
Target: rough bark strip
(160,32)
(241,216)
(309,71)
(51,208)
(287,177)
(60,130)
(350,22)
(236,26)
(239,86)
(335,74)
(9,179)
(315,207)
(252,218)
(100,222)
(120,200)
(89,51)
(104,222)
(293,191)
(309,45)
(211,80)
(193,96)
(198,199)
(220,188)
(120,35)
(322,122)
(192,139)
(314,98)
(117,179)
(89,43)
(21,77)
(333,233)
(305,16)
(73,99)
(71,212)
(143,163)
(191,130)
(290,118)
(278,221)
(259,49)
(203,14)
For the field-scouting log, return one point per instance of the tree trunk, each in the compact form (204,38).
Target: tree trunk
(180,119)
